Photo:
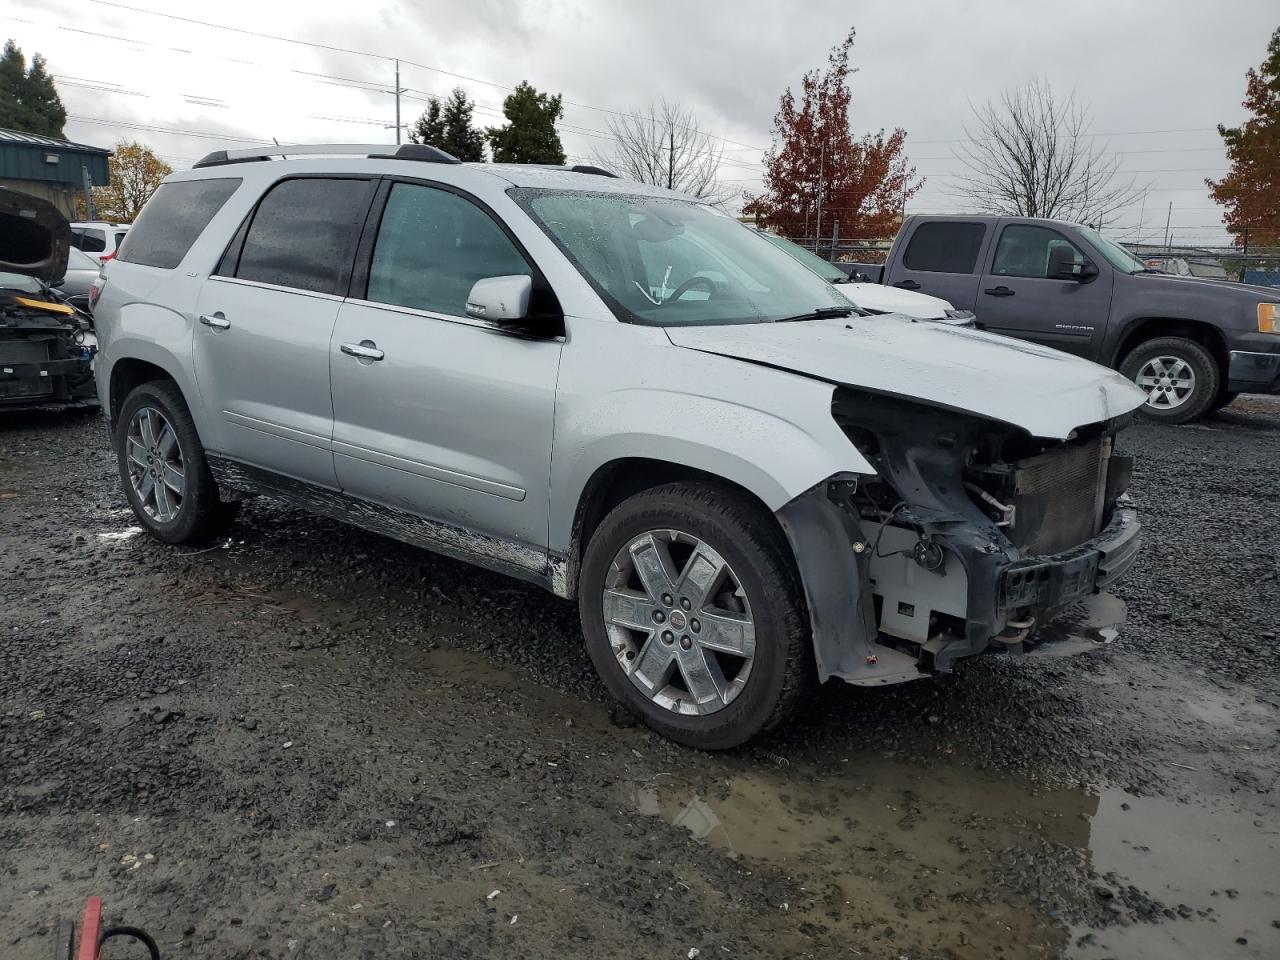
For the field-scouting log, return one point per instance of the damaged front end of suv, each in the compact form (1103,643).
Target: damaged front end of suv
(46,345)
(972,536)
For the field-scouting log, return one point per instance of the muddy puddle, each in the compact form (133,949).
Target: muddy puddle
(974,865)
(1208,859)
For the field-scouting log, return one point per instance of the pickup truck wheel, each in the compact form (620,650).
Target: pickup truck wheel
(163,469)
(694,616)
(1180,377)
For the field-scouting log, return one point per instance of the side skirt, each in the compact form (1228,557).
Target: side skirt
(518,560)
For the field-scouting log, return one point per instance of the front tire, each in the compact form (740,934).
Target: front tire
(163,470)
(1180,377)
(694,616)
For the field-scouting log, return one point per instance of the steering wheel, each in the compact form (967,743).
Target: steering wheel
(689,284)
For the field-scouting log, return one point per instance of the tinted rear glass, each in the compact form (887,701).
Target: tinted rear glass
(173,218)
(304,233)
(90,241)
(944,247)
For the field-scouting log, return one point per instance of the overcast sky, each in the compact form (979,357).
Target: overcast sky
(1156,77)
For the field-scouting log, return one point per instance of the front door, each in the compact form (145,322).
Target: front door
(1021,298)
(266,320)
(437,413)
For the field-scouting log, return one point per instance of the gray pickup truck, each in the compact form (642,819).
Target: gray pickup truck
(1192,345)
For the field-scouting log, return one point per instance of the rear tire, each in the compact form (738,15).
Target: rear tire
(703,535)
(163,469)
(1180,377)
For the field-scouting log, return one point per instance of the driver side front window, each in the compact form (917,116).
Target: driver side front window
(1029,251)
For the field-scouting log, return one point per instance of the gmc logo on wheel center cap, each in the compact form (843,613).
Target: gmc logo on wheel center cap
(678,619)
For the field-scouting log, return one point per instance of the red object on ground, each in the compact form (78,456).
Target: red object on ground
(90,927)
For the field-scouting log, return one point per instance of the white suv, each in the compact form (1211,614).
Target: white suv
(622,395)
(98,238)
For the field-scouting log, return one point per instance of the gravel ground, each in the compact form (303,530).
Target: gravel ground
(316,742)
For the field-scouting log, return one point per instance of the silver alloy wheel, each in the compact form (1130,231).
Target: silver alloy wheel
(156,468)
(1168,381)
(679,622)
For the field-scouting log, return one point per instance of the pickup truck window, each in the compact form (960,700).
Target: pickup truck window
(945,247)
(1024,251)
(1116,255)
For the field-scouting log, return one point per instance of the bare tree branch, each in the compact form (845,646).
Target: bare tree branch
(663,146)
(1031,155)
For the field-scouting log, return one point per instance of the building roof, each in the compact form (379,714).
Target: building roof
(28,156)
(16,136)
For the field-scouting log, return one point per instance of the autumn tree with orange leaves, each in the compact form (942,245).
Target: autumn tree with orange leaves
(1251,189)
(818,173)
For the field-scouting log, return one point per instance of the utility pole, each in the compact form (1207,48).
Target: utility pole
(835,239)
(822,174)
(1168,216)
(671,157)
(1142,212)
(89,212)
(398,92)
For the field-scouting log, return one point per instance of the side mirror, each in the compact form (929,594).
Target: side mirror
(500,299)
(1062,266)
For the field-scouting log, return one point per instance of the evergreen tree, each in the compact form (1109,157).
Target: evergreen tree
(530,135)
(29,101)
(447,125)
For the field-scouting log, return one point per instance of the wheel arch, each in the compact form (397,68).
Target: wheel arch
(127,374)
(1142,329)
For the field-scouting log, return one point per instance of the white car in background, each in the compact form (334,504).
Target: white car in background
(98,238)
(872,297)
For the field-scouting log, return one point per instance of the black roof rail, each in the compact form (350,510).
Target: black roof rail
(408,151)
(422,152)
(593,170)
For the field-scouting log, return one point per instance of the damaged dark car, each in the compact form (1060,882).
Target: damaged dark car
(46,343)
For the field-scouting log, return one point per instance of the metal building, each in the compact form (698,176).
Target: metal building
(51,169)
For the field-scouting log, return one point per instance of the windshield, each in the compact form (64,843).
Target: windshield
(20,281)
(807,258)
(1116,255)
(670,262)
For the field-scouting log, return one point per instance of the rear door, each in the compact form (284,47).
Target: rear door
(262,345)
(1019,297)
(435,412)
(941,258)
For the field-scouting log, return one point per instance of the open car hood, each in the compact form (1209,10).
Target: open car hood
(34,237)
(1046,392)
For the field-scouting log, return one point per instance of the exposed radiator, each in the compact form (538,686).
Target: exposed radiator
(1058,498)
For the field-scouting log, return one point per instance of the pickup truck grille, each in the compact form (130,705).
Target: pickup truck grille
(1058,498)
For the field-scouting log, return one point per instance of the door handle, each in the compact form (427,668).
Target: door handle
(907,285)
(215,320)
(364,350)
(1001,291)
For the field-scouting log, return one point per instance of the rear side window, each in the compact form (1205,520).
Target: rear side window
(91,241)
(172,220)
(120,237)
(945,247)
(432,247)
(304,233)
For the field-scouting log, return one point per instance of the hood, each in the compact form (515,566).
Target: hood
(874,296)
(1244,292)
(1046,392)
(34,237)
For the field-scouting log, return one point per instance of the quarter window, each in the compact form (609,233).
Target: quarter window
(304,234)
(173,218)
(1030,251)
(944,246)
(432,246)
(91,241)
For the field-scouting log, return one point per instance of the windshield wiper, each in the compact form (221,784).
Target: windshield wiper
(820,313)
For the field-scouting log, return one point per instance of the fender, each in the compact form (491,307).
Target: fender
(776,453)
(160,337)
